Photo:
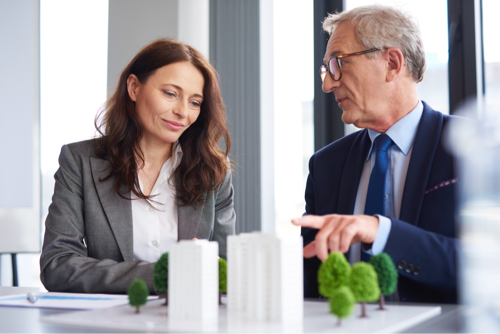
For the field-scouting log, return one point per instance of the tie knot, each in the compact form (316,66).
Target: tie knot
(382,143)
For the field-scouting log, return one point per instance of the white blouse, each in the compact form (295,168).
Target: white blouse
(155,225)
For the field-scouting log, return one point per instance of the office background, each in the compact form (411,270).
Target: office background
(267,52)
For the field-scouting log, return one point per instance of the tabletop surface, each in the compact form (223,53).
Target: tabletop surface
(27,320)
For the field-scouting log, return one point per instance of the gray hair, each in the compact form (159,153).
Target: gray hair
(382,27)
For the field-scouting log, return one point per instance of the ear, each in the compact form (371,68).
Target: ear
(132,86)
(395,63)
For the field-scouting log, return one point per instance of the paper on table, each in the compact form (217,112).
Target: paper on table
(70,301)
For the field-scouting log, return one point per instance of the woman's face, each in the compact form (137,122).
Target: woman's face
(168,103)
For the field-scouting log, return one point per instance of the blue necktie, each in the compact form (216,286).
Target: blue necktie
(375,197)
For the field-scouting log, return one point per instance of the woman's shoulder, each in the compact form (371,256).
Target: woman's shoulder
(85,148)
(77,154)
(226,187)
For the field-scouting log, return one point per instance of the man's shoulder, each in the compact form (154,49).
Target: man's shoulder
(439,114)
(341,146)
(433,115)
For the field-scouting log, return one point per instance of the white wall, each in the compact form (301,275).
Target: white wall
(293,117)
(19,133)
(132,25)
(19,127)
(268,212)
(193,24)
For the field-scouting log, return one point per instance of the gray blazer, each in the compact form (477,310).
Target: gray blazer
(88,244)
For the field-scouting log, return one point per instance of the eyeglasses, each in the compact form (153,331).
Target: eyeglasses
(334,65)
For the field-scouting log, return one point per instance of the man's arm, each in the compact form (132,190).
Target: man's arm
(433,253)
(430,257)
(337,232)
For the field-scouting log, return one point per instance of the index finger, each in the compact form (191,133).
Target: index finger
(313,221)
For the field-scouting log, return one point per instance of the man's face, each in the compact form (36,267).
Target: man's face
(358,92)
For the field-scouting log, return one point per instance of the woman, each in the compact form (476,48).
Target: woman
(155,175)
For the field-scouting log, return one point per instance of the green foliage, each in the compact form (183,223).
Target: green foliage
(342,302)
(364,283)
(333,273)
(386,273)
(138,293)
(222,275)
(160,277)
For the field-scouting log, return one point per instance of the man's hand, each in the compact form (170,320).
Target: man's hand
(337,232)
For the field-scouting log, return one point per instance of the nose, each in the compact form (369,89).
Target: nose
(329,85)
(181,109)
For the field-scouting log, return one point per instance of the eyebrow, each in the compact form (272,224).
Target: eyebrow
(331,54)
(180,88)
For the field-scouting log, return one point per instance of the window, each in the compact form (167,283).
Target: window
(293,113)
(73,75)
(491,26)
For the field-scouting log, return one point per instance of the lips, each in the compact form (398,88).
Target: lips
(174,125)
(340,100)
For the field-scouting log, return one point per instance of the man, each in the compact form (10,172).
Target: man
(390,187)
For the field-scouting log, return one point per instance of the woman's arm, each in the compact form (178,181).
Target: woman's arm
(65,263)
(225,217)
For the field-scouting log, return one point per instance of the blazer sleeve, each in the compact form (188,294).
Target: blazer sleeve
(433,254)
(225,217)
(311,265)
(65,263)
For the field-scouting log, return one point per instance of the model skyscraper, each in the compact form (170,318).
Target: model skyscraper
(265,276)
(193,280)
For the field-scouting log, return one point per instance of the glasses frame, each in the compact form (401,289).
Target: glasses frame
(326,68)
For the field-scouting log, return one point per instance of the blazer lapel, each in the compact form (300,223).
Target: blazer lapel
(351,174)
(424,148)
(189,220)
(117,210)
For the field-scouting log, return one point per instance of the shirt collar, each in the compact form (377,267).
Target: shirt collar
(176,155)
(171,164)
(402,132)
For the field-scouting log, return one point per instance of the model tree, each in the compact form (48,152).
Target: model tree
(138,293)
(333,273)
(387,276)
(160,277)
(341,303)
(222,278)
(364,284)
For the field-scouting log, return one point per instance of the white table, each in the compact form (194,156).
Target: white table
(27,320)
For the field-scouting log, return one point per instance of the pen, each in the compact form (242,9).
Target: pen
(32,298)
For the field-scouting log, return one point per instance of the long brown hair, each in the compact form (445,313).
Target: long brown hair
(203,166)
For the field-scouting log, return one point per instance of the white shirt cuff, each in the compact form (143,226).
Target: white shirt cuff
(384,228)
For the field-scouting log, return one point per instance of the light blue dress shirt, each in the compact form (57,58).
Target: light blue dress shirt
(403,134)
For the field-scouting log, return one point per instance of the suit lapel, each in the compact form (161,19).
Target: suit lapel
(117,210)
(427,140)
(189,220)
(351,174)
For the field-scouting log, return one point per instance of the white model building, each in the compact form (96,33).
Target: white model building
(265,276)
(237,272)
(193,280)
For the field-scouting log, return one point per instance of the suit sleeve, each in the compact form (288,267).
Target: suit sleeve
(64,262)
(225,217)
(433,254)
(311,265)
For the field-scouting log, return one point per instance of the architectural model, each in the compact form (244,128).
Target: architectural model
(265,276)
(193,280)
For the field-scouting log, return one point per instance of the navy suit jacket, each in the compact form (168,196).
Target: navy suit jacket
(424,234)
